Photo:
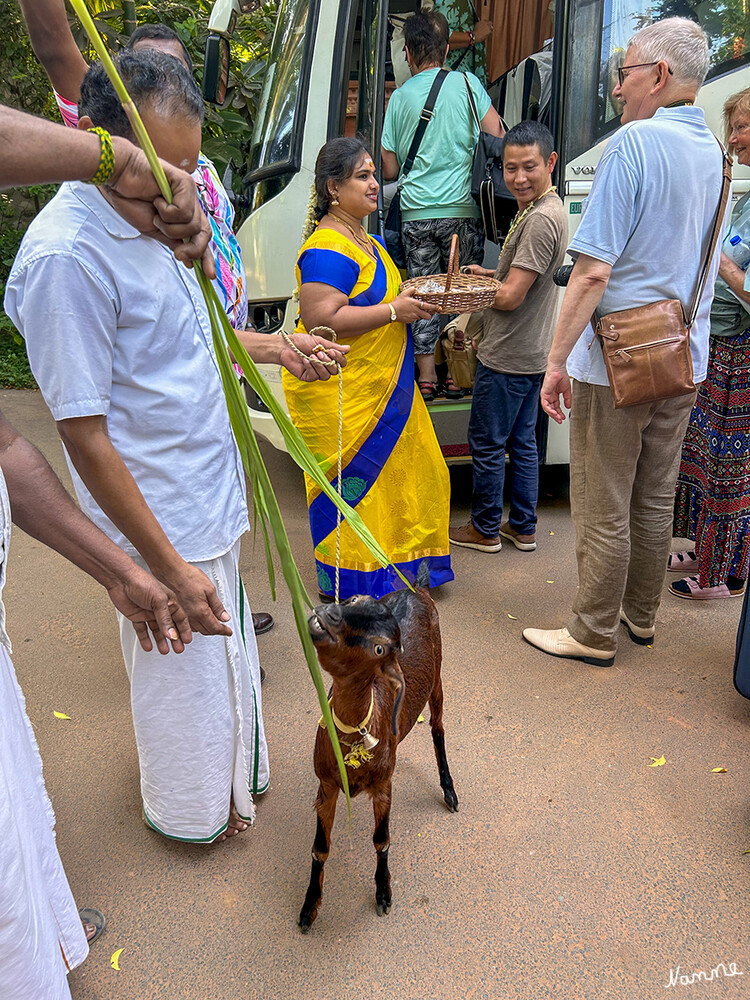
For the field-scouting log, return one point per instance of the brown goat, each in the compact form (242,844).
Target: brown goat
(384,657)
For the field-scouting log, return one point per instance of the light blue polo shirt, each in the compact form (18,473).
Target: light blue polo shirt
(114,325)
(438,186)
(649,215)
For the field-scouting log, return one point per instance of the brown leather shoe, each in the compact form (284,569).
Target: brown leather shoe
(526,543)
(470,538)
(262,623)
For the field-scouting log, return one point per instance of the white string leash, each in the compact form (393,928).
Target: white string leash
(328,363)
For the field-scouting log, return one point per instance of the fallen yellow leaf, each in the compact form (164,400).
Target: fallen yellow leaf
(658,761)
(512,617)
(551,532)
(115,960)
(718,770)
(746,851)
(550,581)
(421,718)
(60,715)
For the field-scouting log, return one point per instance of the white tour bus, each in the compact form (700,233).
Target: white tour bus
(330,73)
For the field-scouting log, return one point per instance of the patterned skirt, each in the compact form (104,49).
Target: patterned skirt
(712,498)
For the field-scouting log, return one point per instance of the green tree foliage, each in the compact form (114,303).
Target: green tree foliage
(227,130)
(24,84)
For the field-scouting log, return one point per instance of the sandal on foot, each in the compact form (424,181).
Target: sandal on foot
(93,922)
(451,390)
(429,390)
(691,591)
(682,562)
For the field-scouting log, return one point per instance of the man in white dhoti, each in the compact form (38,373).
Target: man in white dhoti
(120,343)
(41,935)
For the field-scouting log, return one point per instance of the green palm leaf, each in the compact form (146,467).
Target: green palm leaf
(264,500)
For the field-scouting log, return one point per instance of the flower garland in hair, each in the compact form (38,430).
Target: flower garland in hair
(311,219)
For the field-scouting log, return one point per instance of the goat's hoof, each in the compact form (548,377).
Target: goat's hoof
(305,922)
(451,800)
(383,901)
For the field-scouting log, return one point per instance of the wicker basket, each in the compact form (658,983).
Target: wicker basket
(460,293)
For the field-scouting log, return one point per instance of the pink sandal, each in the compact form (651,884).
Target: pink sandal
(682,562)
(689,589)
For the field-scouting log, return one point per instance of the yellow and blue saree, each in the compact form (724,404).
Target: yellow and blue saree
(393,471)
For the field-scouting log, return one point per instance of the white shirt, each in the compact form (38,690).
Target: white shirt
(4,547)
(649,215)
(114,325)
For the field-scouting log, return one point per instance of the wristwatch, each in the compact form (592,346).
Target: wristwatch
(394,317)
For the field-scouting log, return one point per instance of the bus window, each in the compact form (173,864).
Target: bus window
(361,114)
(278,129)
(600,34)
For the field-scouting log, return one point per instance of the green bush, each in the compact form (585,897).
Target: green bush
(14,365)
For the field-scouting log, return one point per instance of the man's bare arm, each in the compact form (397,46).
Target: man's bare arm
(389,164)
(734,277)
(54,45)
(42,508)
(111,484)
(588,280)
(491,123)
(35,151)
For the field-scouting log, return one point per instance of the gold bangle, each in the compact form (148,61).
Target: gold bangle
(107,158)
(394,316)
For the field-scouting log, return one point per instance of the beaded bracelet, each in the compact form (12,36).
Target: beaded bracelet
(107,159)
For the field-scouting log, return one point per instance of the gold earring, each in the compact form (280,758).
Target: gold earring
(334,200)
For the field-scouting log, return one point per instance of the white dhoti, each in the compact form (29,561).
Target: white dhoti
(198,721)
(41,936)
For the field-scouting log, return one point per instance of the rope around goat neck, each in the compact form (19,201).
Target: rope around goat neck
(328,364)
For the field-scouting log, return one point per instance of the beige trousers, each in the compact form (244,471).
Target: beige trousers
(623,470)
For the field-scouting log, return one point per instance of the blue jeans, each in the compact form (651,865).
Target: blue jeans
(504,411)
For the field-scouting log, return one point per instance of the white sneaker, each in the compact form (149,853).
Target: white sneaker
(642,636)
(559,642)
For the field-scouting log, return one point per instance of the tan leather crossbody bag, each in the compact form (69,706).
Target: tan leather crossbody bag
(647,349)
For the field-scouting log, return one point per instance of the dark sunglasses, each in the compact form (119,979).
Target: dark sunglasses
(621,70)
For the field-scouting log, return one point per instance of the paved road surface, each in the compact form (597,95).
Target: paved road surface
(573,870)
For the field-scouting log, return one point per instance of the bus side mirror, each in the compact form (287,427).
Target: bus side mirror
(216,69)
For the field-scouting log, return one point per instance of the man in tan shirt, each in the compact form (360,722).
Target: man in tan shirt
(512,352)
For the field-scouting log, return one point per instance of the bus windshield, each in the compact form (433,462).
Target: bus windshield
(600,34)
(276,123)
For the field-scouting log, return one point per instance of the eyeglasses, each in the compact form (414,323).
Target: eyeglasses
(621,70)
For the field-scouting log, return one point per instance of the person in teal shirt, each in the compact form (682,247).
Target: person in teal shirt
(436,199)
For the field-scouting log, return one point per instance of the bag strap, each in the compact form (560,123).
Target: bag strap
(425,117)
(472,103)
(726,183)
(487,208)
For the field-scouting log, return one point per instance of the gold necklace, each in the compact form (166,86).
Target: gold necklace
(365,243)
(521,215)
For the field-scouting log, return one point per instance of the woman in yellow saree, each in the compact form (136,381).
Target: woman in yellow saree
(393,471)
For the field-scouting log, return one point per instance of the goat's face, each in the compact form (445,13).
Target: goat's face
(358,635)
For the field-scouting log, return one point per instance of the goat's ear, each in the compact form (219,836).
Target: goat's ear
(392,670)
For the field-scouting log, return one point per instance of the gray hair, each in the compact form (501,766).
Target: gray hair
(153,79)
(680,42)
